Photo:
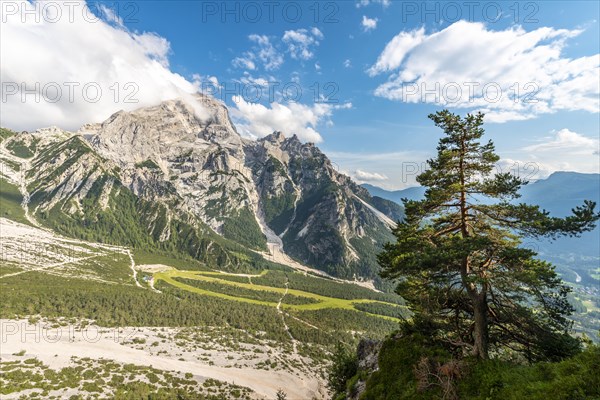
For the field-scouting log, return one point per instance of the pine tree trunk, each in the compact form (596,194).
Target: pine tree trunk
(479,300)
(480,333)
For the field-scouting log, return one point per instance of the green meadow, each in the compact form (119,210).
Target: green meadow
(177,279)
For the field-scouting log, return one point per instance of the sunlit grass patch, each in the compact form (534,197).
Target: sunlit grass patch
(217,285)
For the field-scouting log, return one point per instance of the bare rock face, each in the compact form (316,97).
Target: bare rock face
(275,190)
(368,356)
(318,213)
(201,159)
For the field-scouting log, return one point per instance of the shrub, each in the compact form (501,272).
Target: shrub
(345,366)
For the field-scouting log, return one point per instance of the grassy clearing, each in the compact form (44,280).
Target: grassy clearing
(324,286)
(111,267)
(590,305)
(6,134)
(246,293)
(21,149)
(109,305)
(71,295)
(8,268)
(173,277)
(11,163)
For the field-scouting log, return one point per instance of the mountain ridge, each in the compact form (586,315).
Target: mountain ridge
(182,183)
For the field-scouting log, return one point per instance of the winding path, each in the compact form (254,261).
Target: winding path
(285,325)
(133,270)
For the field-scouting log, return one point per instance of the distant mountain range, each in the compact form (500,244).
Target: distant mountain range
(558,194)
(411,193)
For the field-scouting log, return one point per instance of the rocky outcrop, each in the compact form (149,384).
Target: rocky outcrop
(368,356)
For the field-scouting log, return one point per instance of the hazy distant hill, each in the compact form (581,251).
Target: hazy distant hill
(411,193)
(559,193)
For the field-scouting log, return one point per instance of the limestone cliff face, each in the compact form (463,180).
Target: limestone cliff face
(321,216)
(275,191)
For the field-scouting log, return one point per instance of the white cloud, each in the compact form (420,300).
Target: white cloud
(154,47)
(531,169)
(364,176)
(347,63)
(257,88)
(300,41)
(244,63)
(208,85)
(401,168)
(50,57)
(396,50)
(266,52)
(511,74)
(213,80)
(262,82)
(564,150)
(256,120)
(316,33)
(364,3)
(567,141)
(110,15)
(263,51)
(368,24)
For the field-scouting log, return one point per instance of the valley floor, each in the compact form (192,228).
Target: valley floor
(58,347)
(216,333)
(90,319)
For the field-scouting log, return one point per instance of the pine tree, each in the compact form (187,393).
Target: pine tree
(459,260)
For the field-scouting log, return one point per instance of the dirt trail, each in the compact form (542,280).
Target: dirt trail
(14,233)
(287,328)
(151,284)
(132,266)
(304,322)
(57,354)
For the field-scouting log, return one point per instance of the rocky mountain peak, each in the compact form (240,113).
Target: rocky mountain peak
(162,132)
(276,137)
(185,158)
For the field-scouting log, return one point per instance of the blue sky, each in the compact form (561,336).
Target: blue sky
(370,53)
